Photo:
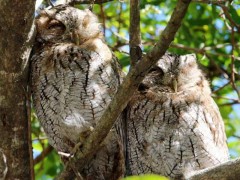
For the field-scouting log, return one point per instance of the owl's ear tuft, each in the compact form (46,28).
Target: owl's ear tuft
(188,58)
(86,20)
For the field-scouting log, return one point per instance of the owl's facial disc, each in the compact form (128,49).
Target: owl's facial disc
(59,14)
(49,29)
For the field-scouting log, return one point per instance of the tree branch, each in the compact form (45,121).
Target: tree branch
(127,88)
(228,16)
(227,170)
(72,2)
(217,2)
(135,33)
(43,154)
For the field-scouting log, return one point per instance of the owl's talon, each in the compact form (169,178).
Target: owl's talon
(82,138)
(76,147)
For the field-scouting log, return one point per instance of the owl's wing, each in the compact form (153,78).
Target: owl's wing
(216,125)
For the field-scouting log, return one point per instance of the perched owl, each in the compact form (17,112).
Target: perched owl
(174,126)
(74,77)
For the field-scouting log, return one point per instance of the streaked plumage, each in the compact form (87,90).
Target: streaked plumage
(74,77)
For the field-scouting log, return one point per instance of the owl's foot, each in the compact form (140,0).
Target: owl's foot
(82,138)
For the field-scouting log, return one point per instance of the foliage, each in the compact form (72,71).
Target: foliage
(146,177)
(207,30)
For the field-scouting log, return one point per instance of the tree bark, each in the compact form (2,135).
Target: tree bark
(225,171)
(135,32)
(15,46)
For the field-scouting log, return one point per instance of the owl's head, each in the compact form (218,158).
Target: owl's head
(63,23)
(173,73)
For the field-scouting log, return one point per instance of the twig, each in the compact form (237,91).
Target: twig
(233,101)
(221,70)
(228,16)
(50,3)
(203,50)
(229,99)
(229,104)
(233,25)
(43,154)
(217,2)
(120,37)
(103,19)
(233,67)
(236,136)
(135,33)
(127,88)
(233,77)
(119,20)
(220,88)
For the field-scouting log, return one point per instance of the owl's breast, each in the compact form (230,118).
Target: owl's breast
(71,88)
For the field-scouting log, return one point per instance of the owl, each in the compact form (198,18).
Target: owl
(174,127)
(74,77)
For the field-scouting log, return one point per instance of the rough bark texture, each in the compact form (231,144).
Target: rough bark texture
(72,2)
(135,32)
(16,22)
(226,171)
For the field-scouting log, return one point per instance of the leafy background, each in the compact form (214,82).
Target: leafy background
(207,30)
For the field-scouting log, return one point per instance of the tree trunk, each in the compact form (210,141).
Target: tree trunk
(16,19)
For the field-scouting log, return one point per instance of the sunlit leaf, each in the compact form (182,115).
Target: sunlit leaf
(146,177)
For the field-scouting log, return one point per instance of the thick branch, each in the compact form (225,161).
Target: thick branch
(15,46)
(72,2)
(134,31)
(128,87)
(228,170)
(217,2)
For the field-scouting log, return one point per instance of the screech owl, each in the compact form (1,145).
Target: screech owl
(74,77)
(174,126)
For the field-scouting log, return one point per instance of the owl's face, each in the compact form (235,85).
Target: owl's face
(66,24)
(173,72)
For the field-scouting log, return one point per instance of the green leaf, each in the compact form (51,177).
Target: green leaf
(234,14)
(146,177)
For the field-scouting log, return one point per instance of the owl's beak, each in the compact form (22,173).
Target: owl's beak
(175,85)
(75,38)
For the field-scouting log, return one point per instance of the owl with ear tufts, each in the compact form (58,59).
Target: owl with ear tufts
(74,77)
(174,127)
